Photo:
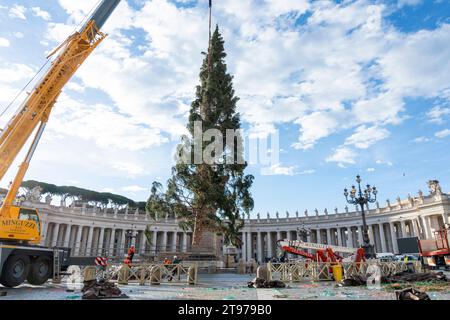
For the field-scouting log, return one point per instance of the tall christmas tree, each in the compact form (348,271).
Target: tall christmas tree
(209,195)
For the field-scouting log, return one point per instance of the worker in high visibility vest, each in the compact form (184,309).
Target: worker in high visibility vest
(129,259)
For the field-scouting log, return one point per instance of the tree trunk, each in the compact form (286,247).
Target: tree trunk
(198,231)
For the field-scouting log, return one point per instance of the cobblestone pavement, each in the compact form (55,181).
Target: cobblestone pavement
(218,287)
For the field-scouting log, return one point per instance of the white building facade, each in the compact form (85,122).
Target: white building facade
(91,231)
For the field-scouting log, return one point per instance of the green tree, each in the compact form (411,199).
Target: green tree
(209,196)
(102,199)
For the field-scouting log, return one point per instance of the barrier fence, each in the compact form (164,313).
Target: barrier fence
(322,271)
(145,273)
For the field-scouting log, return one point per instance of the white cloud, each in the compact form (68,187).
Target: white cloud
(38,12)
(421,139)
(437,114)
(417,63)
(17,11)
(370,169)
(15,72)
(58,32)
(131,169)
(18,34)
(13,77)
(75,87)
(77,9)
(311,131)
(343,155)
(103,125)
(134,188)
(402,3)
(345,68)
(383,162)
(443,133)
(277,169)
(4,42)
(364,137)
(308,171)
(321,72)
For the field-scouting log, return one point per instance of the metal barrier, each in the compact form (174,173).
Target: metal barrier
(322,271)
(144,273)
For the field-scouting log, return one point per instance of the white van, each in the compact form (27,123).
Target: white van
(385,256)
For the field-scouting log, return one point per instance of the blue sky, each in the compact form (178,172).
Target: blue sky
(350,86)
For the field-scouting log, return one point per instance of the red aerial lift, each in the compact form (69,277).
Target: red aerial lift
(323,252)
(436,252)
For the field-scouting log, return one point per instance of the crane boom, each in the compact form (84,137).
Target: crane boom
(35,110)
(317,246)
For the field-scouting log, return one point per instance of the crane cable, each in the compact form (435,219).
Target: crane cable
(23,89)
(46,62)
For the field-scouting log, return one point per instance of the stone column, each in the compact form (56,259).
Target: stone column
(319,236)
(371,235)
(278,235)
(143,242)
(100,241)
(289,235)
(403,228)
(185,236)
(428,227)
(164,242)
(393,237)
(269,245)
(174,242)
(414,227)
(155,240)
(350,237)
(67,235)
(445,216)
(244,246)
(44,226)
(360,235)
(55,235)
(249,246)
(339,234)
(121,247)
(329,236)
(111,242)
(382,237)
(259,247)
(89,241)
(78,240)
(426,232)
(133,238)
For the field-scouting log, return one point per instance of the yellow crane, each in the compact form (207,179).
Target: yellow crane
(20,227)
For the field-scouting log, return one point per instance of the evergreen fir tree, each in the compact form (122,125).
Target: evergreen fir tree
(203,196)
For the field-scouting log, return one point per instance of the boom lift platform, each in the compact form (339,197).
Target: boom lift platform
(323,252)
(435,252)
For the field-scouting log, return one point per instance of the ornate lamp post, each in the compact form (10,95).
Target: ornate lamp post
(362,198)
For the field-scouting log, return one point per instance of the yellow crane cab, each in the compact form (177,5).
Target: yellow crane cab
(23,224)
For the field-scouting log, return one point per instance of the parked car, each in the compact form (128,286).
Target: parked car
(386,256)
